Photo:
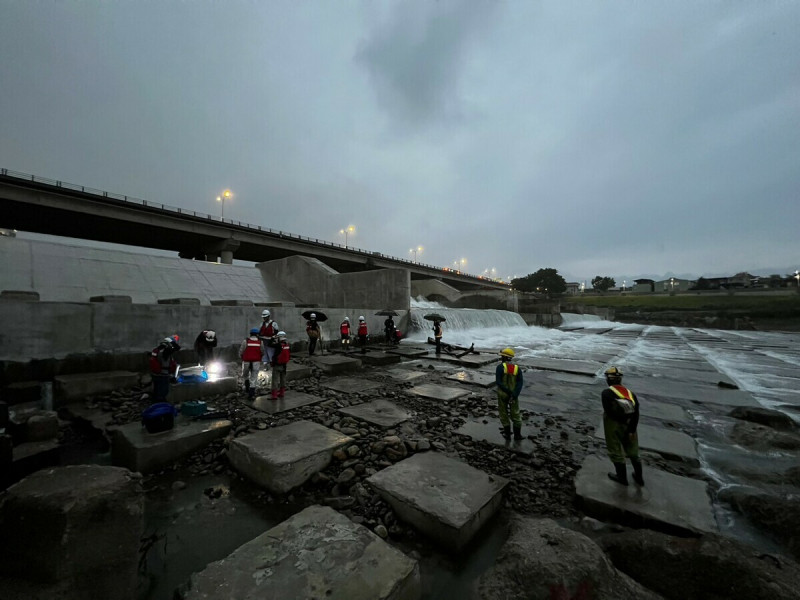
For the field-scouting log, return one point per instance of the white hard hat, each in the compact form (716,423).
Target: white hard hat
(210,335)
(347,319)
(313,315)
(281,335)
(265,313)
(168,340)
(361,318)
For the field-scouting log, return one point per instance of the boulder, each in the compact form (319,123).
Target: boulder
(543,560)
(759,437)
(710,567)
(778,514)
(764,416)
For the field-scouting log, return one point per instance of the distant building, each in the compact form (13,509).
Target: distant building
(643,285)
(674,284)
(573,288)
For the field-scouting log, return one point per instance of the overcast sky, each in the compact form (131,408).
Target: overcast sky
(621,138)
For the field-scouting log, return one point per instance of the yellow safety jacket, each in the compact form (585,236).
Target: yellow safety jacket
(625,398)
(510,373)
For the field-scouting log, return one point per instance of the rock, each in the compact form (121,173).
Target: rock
(346,476)
(764,416)
(423,445)
(340,502)
(759,437)
(541,559)
(780,515)
(178,485)
(381,531)
(711,566)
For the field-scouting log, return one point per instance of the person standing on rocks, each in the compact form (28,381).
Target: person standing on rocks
(313,332)
(620,420)
(508,377)
(252,355)
(363,334)
(344,329)
(204,346)
(266,333)
(280,359)
(163,367)
(437,335)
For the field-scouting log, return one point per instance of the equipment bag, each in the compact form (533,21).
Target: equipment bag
(159,417)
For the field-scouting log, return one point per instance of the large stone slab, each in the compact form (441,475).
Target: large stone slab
(476,360)
(133,447)
(290,401)
(69,388)
(477,378)
(669,503)
(405,374)
(699,394)
(438,392)
(351,386)
(408,351)
(182,392)
(378,412)
(317,553)
(490,432)
(579,367)
(296,370)
(377,358)
(80,524)
(282,458)
(335,364)
(664,411)
(671,444)
(441,497)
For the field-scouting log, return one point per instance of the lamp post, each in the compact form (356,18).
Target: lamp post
(415,250)
(226,195)
(797,276)
(671,284)
(347,230)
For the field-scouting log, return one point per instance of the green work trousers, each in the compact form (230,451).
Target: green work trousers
(618,443)
(504,416)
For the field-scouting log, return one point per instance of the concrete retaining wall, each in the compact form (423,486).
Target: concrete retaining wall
(431,288)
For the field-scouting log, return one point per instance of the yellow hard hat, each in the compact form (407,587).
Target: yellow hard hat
(613,372)
(507,352)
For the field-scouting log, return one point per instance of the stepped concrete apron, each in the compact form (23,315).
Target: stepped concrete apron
(378,412)
(290,401)
(69,388)
(439,392)
(317,553)
(334,364)
(484,380)
(441,497)
(133,447)
(283,458)
(671,444)
(377,358)
(350,385)
(669,503)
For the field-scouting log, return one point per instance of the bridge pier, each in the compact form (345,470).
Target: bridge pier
(224,249)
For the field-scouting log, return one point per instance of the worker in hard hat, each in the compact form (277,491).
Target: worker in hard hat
(345,330)
(204,345)
(363,334)
(163,367)
(313,331)
(280,360)
(251,354)
(266,333)
(620,420)
(508,377)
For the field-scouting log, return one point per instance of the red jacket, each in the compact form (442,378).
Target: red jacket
(362,328)
(252,350)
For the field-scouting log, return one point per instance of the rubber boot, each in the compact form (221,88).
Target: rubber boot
(507,432)
(518,432)
(621,476)
(247,386)
(274,394)
(281,392)
(637,472)
(251,393)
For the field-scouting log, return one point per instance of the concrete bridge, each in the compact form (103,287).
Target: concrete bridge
(36,204)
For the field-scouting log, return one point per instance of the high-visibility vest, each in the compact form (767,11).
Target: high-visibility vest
(510,373)
(267,329)
(284,354)
(252,351)
(345,328)
(362,328)
(625,398)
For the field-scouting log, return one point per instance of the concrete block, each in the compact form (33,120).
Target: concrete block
(231,303)
(335,364)
(23,391)
(490,432)
(408,351)
(317,553)
(112,298)
(30,457)
(668,503)
(376,358)
(69,388)
(133,447)
(405,374)
(19,296)
(578,367)
(295,370)
(484,380)
(77,523)
(439,392)
(181,392)
(282,458)
(182,301)
(441,497)
(378,412)
(671,444)
(290,401)
(41,427)
(350,385)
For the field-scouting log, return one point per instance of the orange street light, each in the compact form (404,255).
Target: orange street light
(226,195)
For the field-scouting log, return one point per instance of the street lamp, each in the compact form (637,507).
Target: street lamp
(226,195)
(415,250)
(671,284)
(347,230)
(797,276)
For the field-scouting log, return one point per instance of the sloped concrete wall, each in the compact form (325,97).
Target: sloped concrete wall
(434,287)
(63,272)
(317,284)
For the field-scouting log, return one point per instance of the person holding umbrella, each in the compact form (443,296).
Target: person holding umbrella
(509,384)
(313,330)
(389,328)
(437,335)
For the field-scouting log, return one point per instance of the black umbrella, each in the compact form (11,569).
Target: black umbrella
(434,317)
(319,316)
(387,313)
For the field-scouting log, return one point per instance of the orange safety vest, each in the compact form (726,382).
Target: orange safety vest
(267,329)
(624,398)
(252,352)
(362,328)
(345,328)
(510,373)
(283,355)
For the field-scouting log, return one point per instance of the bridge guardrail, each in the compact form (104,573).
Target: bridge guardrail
(199,215)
